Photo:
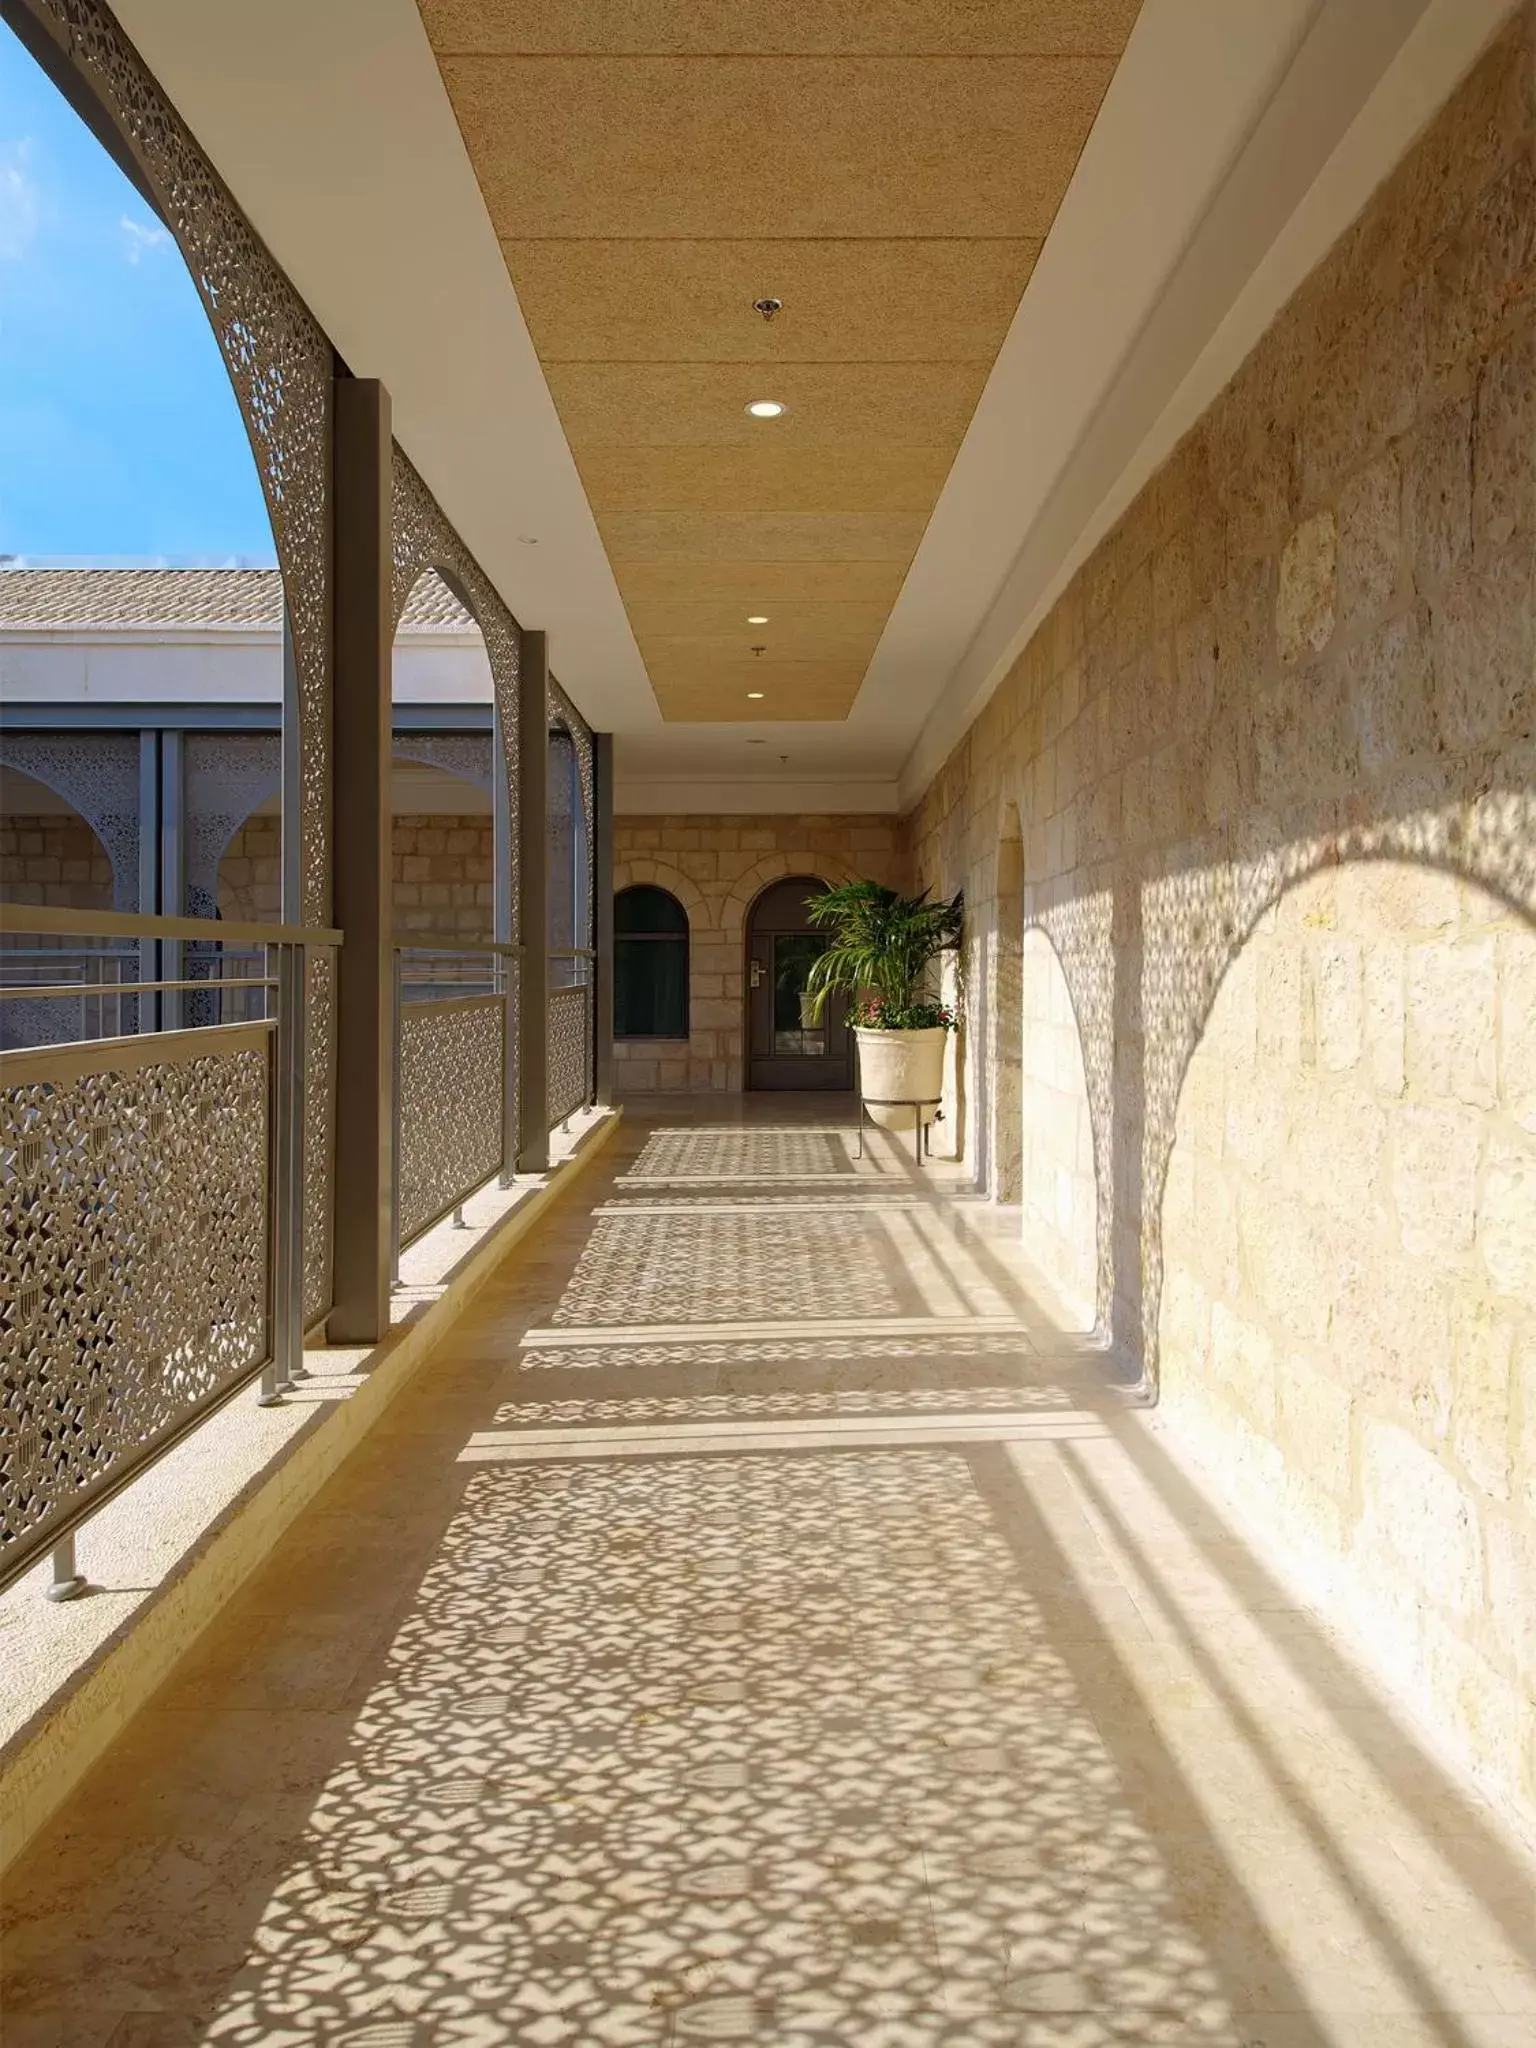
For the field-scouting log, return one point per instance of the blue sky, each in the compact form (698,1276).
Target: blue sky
(119,435)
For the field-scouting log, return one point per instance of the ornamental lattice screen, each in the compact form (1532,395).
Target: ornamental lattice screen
(572,1017)
(280,364)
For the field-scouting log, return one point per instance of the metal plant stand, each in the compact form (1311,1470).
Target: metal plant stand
(917,1104)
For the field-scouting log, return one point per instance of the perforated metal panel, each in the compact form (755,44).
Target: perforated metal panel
(280,365)
(451,1077)
(133,1254)
(570,1051)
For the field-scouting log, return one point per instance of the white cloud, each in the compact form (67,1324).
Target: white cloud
(138,237)
(18,203)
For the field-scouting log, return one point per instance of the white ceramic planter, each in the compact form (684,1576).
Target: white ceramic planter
(900,1066)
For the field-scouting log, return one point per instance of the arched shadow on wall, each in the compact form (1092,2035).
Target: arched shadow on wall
(1192,925)
(1079,931)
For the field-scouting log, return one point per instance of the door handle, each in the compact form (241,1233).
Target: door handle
(757,973)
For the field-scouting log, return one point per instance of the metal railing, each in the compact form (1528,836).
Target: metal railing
(151,1190)
(455,1013)
(572,1032)
(67,993)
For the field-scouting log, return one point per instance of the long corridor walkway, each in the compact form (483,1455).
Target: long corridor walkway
(761,1625)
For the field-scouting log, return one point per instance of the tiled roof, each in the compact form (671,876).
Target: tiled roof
(34,598)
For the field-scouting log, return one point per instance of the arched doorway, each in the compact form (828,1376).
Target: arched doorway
(785,1049)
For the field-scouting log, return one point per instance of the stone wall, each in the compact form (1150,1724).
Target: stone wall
(716,868)
(1348,1322)
(1057,1191)
(1309,646)
(55,860)
(442,869)
(250,873)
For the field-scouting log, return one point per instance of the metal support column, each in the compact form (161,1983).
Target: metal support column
(602,894)
(148,903)
(363,645)
(504,931)
(173,868)
(287,1190)
(533,906)
(291,842)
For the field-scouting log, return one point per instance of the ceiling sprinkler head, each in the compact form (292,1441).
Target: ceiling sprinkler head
(767,307)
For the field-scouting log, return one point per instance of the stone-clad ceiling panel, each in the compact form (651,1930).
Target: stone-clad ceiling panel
(888,169)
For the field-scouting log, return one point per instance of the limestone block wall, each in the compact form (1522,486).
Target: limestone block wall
(1348,1321)
(442,869)
(251,873)
(1309,647)
(716,867)
(54,860)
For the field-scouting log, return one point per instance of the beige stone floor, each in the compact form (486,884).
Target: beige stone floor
(762,1625)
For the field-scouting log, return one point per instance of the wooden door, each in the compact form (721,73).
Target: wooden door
(785,1049)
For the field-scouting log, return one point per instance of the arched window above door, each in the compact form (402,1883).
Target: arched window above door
(650,964)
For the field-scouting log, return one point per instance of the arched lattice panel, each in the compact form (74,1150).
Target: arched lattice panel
(98,774)
(281,366)
(422,541)
(564,716)
(469,756)
(228,776)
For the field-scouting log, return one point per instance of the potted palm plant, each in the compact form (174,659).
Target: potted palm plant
(882,945)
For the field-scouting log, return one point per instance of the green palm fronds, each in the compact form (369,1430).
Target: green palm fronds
(882,942)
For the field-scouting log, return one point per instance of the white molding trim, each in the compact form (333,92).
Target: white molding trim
(646,796)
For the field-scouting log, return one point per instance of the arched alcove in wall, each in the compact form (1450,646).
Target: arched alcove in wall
(1058,1191)
(1348,1243)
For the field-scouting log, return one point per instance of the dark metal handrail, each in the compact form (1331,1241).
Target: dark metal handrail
(122,924)
(87,1160)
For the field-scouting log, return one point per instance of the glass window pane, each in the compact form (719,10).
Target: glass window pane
(795,1031)
(650,987)
(644,909)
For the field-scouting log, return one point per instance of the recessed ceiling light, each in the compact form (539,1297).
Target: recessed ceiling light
(754,693)
(765,408)
(757,619)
